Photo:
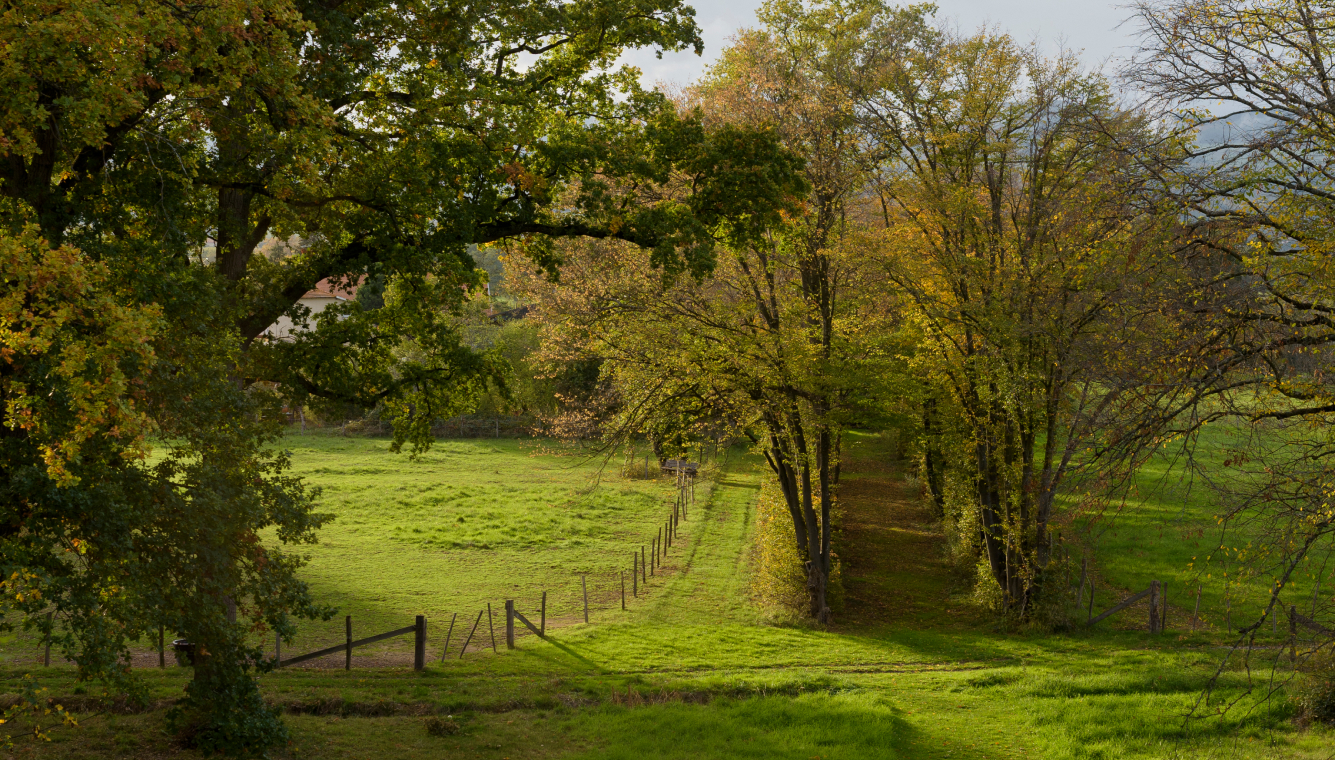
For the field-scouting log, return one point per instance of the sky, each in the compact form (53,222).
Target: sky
(1088,25)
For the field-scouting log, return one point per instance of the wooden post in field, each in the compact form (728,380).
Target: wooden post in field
(491,627)
(667,531)
(419,644)
(1091,599)
(1163,607)
(623,590)
(542,620)
(653,555)
(509,624)
(1293,634)
(448,634)
(584,584)
(1154,606)
(347,654)
(162,646)
(46,656)
(635,574)
(1196,613)
(472,631)
(1080,596)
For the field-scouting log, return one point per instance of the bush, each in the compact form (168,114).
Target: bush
(1313,693)
(438,726)
(779,583)
(224,713)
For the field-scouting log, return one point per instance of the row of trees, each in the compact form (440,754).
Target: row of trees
(1038,279)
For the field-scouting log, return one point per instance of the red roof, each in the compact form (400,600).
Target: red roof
(323,289)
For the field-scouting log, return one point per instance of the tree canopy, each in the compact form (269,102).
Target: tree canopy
(149,151)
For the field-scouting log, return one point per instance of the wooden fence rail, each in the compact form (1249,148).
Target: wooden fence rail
(1307,622)
(419,648)
(1120,606)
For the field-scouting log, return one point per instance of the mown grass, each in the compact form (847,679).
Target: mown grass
(691,670)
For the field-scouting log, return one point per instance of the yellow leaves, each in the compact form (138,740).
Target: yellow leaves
(68,342)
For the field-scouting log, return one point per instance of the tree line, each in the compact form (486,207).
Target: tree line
(1040,273)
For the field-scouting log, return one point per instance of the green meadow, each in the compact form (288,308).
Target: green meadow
(693,668)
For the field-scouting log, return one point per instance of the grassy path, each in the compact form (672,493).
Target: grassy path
(712,584)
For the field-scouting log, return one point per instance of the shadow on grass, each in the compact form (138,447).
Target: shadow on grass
(816,725)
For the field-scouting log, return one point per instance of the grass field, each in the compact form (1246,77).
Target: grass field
(1167,531)
(468,523)
(910,669)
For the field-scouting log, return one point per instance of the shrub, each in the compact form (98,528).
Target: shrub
(1313,694)
(438,726)
(224,713)
(779,583)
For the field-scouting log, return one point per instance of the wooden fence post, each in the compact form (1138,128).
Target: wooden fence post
(1293,634)
(448,634)
(464,648)
(584,584)
(623,590)
(653,555)
(542,621)
(1080,596)
(162,646)
(509,624)
(667,531)
(1196,613)
(491,627)
(1091,600)
(347,658)
(419,644)
(1154,606)
(644,570)
(46,656)
(1163,607)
